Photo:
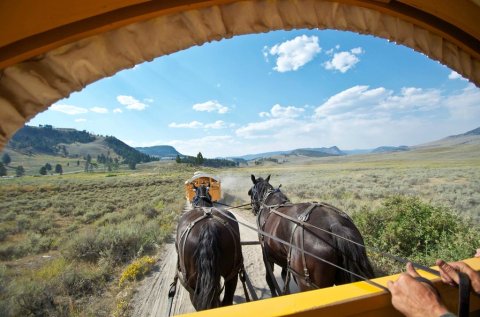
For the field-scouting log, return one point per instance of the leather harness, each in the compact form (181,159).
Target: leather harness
(300,221)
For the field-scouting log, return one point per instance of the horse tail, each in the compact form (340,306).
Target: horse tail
(351,256)
(207,289)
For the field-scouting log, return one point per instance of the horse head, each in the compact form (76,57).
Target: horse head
(257,192)
(202,197)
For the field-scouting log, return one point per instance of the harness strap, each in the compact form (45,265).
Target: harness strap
(463,295)
(246,283)
(265,253)
(300,221)
(172,291)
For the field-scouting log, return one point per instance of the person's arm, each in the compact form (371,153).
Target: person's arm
(413,298)
(449,274)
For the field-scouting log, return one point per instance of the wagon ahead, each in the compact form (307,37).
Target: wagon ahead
(200,178)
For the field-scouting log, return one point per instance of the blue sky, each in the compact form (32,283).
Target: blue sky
(277,91)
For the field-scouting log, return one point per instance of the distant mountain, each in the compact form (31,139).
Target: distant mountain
(387,149)
(160,151)
(329,151)
(312,152)
(471,132)
(46,139)
(357,151)
(469,137)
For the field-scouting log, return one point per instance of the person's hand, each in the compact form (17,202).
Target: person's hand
(449,273)
(414,298)
(477,255)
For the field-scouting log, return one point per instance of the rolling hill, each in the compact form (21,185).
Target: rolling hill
(47,140)
(311,152)
(161,151)
(469,137)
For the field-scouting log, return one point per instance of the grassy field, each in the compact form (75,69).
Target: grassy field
(65,240)
(446,176)
(69,242)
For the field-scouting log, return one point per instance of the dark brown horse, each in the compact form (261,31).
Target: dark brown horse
(208,248)
(282,219)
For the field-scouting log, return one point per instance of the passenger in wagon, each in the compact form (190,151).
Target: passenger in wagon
(414,298)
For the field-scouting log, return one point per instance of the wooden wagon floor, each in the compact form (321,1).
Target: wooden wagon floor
(151,296)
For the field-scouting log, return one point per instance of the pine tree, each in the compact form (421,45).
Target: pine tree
(6,159)
(178,159)
(58,169)
(199,160)
(48,167)
(3,170)
(43,170)
(19,171)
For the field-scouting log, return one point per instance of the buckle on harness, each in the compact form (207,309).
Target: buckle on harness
(207,211)
(307,275)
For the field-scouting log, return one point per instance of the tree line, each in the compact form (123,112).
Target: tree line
(200,160)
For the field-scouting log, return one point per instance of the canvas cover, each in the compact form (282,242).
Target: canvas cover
(31,86)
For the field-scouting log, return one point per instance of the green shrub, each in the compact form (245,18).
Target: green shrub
(80,280)
(34,298)
(118,243)
(412,229)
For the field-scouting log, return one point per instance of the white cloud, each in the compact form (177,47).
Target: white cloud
(368,117)
(99,110)
(210,106)
(465,104)
(413,99)
(351,100)
(357,50)
(219,124)
(210,146)
(293,54)
(343,61)
(117,110)
(131,103)
(189,125)
(455,75)
(149,100)
(68,109)
(80,120)
(278,111)
(362,102)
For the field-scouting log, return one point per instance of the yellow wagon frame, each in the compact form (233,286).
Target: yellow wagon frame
(51,48)
(358,299)
(200,178)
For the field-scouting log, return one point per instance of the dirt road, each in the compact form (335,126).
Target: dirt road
(151,298)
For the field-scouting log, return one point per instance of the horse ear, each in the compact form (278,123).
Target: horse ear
(267,179)
(253,179)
